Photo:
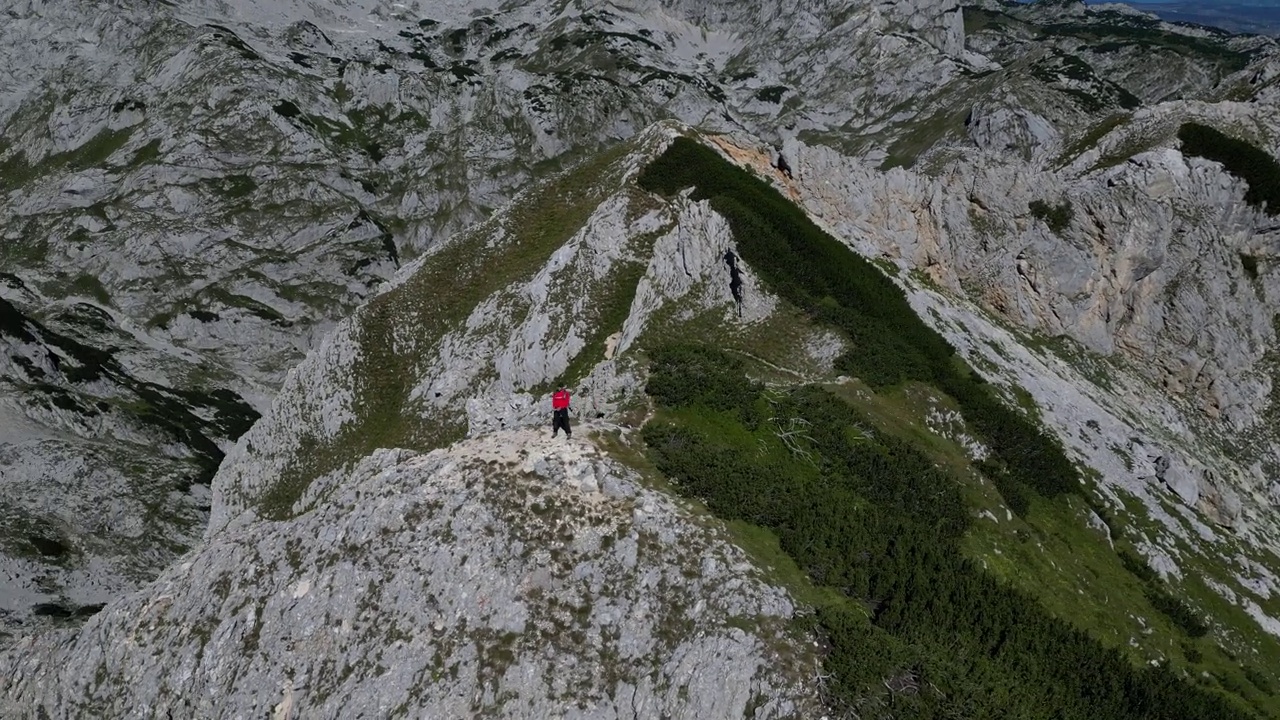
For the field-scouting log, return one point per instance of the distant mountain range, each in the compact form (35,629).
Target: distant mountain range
(1259,16)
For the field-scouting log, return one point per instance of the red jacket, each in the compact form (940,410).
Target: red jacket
(560,400)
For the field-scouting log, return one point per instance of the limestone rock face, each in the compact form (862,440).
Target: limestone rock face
(509,574)
(1002,125)
(940,23)
(504,572)
(1158,260)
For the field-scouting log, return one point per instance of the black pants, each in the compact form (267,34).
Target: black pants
(560,419)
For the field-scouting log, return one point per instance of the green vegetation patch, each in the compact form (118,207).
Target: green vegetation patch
(1091,137)
(1255,166)
(1113,36)
(215,296)
(774,348)
(772,94)
(95,152)
(1250,265)
(234,187)
(977,19)
(254,307)
(1057,217)
(365,129)
(90,285)
(28,535)
(923,135)
(697,375)
(871,519)
(1101,93)
(1112,594)
(31,248)
(1236,645)
(582,39)
(1136,142)
(234,42)
(17,170)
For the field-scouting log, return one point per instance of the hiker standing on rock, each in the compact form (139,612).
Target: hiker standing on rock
(560,412)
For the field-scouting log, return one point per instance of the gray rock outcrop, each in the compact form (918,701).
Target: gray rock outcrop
(508,575)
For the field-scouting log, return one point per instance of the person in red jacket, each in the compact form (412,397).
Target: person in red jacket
(560,412)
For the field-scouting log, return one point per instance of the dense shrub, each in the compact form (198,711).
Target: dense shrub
(1176,610)
(1016,495)
(1259,680)
(1171,607)
(1250,265)
(1137,566)
(1249,163)
(873,519)
(1057,217)
(1029,456)
(1192,653)
(697,375)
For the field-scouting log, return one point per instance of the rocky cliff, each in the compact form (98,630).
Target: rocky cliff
(1157,264)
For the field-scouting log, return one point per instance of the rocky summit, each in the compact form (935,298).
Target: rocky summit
(969,411)
(512,573)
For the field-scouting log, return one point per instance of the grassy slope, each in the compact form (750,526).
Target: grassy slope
(1050,553)
(1053,554)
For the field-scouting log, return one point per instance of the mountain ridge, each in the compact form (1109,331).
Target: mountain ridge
(171,272)
(259,491)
